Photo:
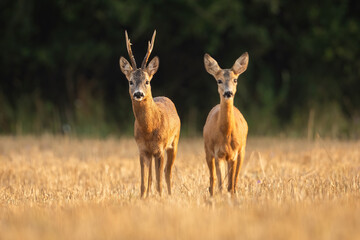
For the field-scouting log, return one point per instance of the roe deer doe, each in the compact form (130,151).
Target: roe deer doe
(225,130)
(157,124)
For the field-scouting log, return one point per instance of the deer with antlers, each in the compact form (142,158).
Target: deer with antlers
(157,124)
(225,130)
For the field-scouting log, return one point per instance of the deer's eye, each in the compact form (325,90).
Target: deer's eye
(235,80)
(147,82)
(219,82)
(131,82)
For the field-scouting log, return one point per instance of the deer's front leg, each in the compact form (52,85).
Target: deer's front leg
(210,160)
(220,172)
(145,163)
(149,178)
(231,175)
(159,168)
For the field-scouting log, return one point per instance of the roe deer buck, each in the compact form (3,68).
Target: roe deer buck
(225,130)
(157,124)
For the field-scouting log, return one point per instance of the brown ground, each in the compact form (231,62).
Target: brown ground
(60,188)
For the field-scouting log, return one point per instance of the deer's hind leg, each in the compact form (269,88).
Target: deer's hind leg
(240,161)
(171,155)
(159,166)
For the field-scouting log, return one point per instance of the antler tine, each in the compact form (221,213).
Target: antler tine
(128,46)
(150,48)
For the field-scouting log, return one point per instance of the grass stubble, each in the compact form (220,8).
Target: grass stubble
(65,188)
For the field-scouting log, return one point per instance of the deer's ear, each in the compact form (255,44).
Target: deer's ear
(125,67)
(211,65)
(241,64)
(153,67)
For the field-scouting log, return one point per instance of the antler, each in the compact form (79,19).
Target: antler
(128,46)
(150,48)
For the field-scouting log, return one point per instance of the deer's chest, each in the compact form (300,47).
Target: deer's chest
(227,148)
(152,142)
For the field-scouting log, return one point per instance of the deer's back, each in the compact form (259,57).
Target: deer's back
(167,109)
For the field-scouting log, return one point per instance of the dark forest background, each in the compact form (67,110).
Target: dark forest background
(59,70)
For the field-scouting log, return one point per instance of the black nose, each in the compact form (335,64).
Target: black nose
(228,94)
(138,95)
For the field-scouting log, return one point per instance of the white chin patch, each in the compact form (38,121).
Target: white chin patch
(228,98)
(138,99)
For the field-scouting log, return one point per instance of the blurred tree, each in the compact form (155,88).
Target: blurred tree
(59,61)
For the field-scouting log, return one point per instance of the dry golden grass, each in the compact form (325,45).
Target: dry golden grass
(59,188)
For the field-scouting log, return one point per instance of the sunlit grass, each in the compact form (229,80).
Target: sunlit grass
(61,188)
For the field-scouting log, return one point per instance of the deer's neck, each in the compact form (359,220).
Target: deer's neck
(146,113)
(226,117)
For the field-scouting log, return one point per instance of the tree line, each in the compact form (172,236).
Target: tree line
(59,68)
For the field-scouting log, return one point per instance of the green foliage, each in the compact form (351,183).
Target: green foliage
(59,61)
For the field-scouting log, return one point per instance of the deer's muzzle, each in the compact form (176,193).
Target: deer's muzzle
(228,94)
(138,96)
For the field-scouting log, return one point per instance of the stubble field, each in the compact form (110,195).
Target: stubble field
(64,188)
